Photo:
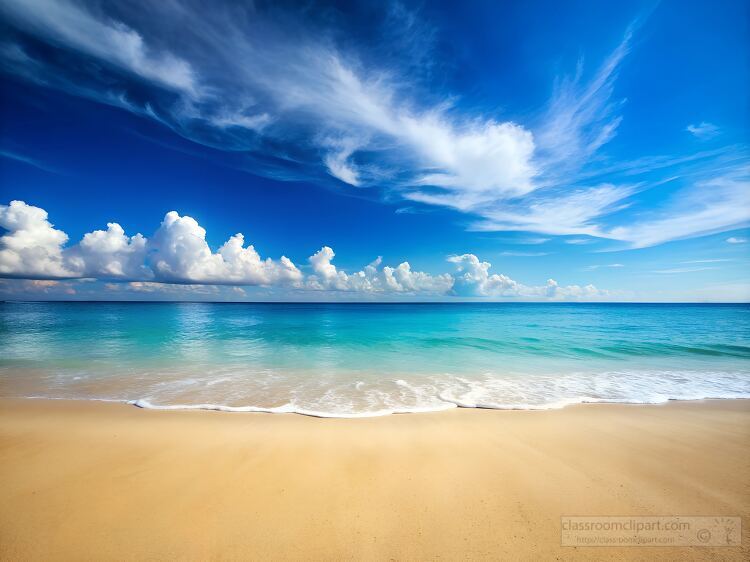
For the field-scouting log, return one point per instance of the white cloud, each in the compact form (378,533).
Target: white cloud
(708,206)
(325,273)
(571,212)
(277,92)
(524,254)
(573,292)
(477,163)
(579,241)
(703,130)
(373,278)
(32,247)
(337,161)
(309,88)
(26,160)
(609,265)
(114,42)
(581,117)
(736,240)
(683,270)
(252,122)
(471,160)
(403,279)
(473,279)
(110,254)
(179,253)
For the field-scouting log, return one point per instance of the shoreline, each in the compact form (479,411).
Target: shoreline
(141,404)
(99,481)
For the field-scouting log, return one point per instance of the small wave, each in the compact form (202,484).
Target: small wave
(286,409)
(449,404)
(361,395)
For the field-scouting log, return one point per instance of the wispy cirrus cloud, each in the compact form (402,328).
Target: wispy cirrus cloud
(68,24)
(706,207)
(562,212)
(599,266)
(511,253)
(299,96)
(245,81)
(582,117)
(703,130)
(683,270)
(18,157)
(579,241)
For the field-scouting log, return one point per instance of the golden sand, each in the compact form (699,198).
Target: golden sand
(96,481)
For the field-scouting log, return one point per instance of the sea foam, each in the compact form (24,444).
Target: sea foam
(445,391)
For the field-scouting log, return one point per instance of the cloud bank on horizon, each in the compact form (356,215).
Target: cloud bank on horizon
(178,253)
(304,99)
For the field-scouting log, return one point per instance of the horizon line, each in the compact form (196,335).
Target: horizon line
(88,301)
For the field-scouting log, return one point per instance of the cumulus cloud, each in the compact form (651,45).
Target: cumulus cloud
(736,240)
(473,279)
(32,246)
(177,253)
(110,254)
(573,292)
(181,254)
(477,163)
(374,278)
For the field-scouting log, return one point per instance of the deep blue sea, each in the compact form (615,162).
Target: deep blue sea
(346,360)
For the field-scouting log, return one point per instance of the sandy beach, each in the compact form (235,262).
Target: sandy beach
(102,481)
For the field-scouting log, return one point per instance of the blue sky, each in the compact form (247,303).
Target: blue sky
(496,151)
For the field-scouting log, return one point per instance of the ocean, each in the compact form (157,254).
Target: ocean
(358,360)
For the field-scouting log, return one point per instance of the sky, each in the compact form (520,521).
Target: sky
(375,151)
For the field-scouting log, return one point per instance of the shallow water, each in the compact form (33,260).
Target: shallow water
(373,359)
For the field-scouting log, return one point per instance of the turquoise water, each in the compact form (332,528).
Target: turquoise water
(373,359)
